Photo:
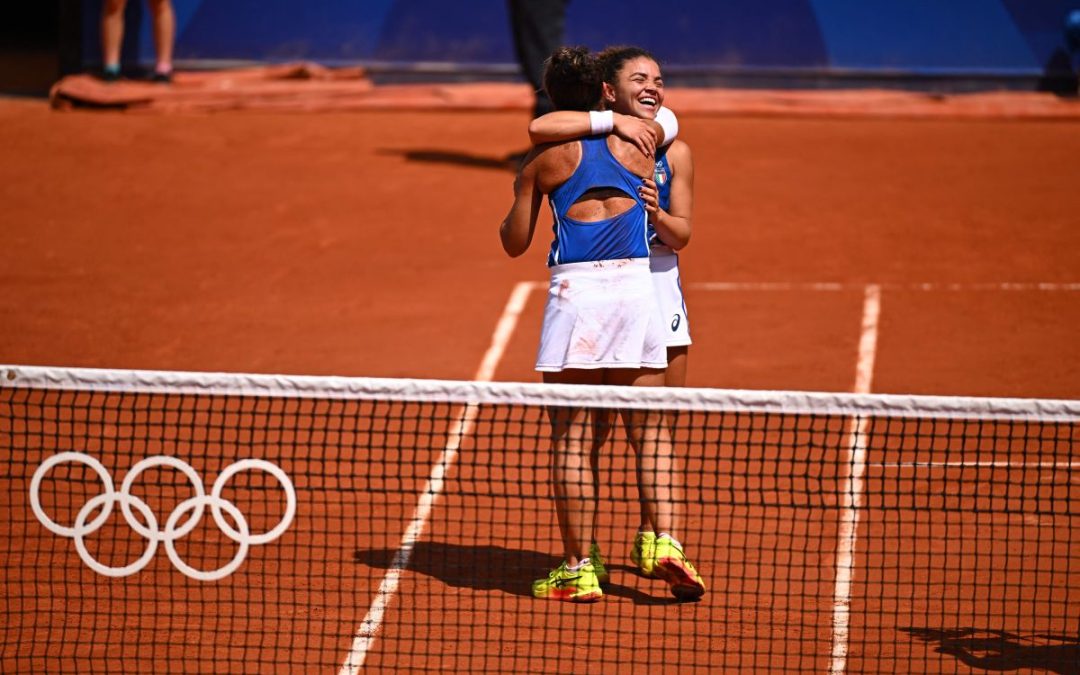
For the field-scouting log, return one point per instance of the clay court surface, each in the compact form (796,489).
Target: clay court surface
(365,244)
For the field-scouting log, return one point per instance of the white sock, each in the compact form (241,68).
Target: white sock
(581,563)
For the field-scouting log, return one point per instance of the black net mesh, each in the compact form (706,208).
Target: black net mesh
(405,534)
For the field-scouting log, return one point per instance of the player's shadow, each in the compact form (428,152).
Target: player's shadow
(509,163)
(492,568)
(1000,650)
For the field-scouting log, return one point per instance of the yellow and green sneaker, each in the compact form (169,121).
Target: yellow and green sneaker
(673,567)
(597,561)
(642,553)
(568,585)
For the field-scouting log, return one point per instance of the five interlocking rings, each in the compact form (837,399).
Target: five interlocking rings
(173,529)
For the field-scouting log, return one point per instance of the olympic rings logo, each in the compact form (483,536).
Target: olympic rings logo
(173,529)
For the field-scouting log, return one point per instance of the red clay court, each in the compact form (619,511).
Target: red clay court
(889,245)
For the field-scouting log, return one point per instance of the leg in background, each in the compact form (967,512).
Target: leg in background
(112,36)
(164,34)
(648,433)
(674,376)
(660,485)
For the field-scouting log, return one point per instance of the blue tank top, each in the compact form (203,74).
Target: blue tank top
(662,176)
(622,236)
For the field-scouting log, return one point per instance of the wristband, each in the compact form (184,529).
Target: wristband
(669,123)
(601,121)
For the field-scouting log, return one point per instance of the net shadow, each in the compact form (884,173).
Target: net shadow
(998,650)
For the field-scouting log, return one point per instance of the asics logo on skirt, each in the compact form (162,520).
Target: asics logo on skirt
(675,323)
(173,530)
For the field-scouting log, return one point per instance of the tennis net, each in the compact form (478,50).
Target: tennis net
(203,522)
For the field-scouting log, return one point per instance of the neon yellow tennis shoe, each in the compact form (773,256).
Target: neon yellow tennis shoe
(673,567)
(643,554)
(568,585)
(597,560)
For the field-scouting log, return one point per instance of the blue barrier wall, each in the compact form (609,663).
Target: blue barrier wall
(907,36)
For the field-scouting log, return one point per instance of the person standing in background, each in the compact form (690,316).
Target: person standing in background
(539,28)
(112,36)
(1072,40)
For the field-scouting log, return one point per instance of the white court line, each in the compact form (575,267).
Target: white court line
(828,286)
(864,368)
(769,286)
(853,485)
(462,426)
(1005,464)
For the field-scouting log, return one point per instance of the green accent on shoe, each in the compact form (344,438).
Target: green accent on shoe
(673,567)
(643,555)
(568,585)
(597,560)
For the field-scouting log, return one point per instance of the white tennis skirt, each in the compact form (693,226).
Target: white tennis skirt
(664,263)
(602,314)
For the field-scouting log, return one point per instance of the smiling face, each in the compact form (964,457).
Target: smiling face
(638,89)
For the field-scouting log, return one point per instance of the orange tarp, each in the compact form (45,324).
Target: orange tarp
(310,87)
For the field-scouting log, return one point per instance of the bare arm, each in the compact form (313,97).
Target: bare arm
(568,125)
(674,225)
(516,230)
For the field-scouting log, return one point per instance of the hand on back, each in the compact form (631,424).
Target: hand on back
(640,132)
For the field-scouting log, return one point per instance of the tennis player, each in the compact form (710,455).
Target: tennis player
(602,324)
(630,104)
